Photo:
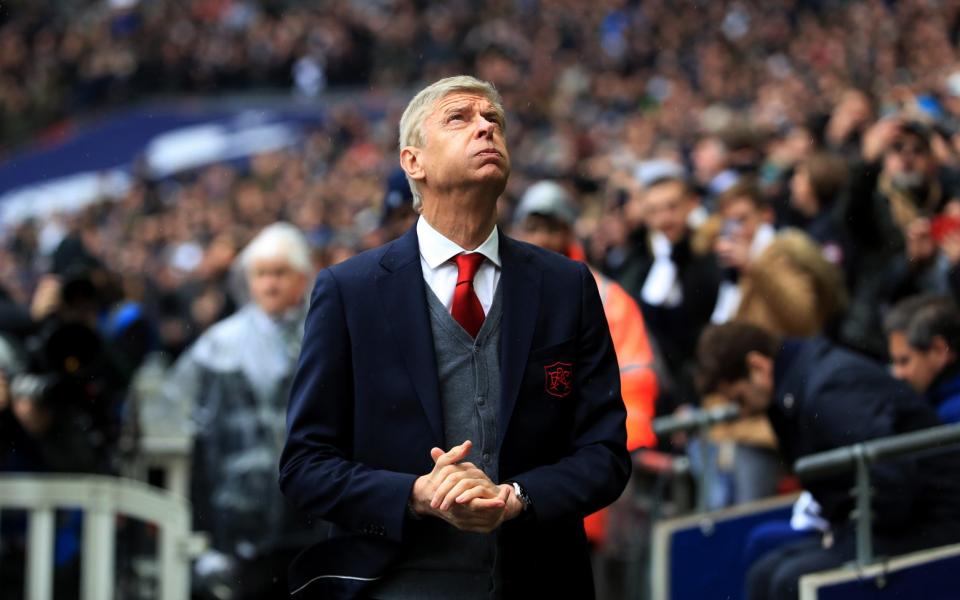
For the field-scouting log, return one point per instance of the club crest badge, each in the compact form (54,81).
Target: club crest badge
(558,379)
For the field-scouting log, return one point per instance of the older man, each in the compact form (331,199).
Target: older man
(457,411)
(236,378)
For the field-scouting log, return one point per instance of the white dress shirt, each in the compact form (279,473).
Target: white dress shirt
(440,271)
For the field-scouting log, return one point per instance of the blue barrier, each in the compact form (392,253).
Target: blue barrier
(929,574)
(702,556)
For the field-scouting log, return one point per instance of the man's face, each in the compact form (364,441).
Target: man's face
(709,159)
(909,162)
(753,393)
(917,367)
(744,216)
(275,285)
(801,193)
(666,207)
(464,146)
(545,232)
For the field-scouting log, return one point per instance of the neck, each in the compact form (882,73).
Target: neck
(468,224)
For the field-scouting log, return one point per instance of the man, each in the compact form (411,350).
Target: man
(819,397)
(675,286)
(923,333)
(895,190)
(454,337)
(233,383)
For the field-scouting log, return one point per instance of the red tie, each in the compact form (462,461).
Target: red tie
(466,306)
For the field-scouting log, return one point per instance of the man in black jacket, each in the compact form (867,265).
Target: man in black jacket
(675,286)
(818,397)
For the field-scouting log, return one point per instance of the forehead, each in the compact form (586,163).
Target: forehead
(264,263)
(455,100)
(739,206)
(668,191)
(897,343)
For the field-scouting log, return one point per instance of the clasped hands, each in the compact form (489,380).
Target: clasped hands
(462,494)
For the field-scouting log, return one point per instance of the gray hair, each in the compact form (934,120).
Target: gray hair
(921,318)
(411,122)
(279,240)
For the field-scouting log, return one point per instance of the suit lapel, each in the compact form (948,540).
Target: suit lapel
(403,296)
(520,283)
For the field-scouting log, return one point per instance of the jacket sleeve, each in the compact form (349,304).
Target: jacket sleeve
(596,471)
(317,472)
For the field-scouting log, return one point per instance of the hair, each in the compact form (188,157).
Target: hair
(722,352)
(924,317)
(419,108)
(685,187)
(279,240)
(828,175)
(745,189)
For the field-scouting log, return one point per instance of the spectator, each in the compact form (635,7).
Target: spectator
(819,397)
(816,192)
(923,333)
(780,281)
(894,193)
(675,286)
(235,379)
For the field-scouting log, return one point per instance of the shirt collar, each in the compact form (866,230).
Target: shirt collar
(436,249)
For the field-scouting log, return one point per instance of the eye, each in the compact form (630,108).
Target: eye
(454,117)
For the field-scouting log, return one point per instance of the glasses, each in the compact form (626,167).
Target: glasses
(906,148)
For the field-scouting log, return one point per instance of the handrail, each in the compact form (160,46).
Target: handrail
(700,420)
(840,460)
(695,419)
(859,457)
(101,498)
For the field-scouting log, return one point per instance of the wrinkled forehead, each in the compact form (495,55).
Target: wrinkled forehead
(464,99)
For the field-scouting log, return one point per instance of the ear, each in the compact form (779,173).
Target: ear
(410,162)
(760,368)
(768,215)
(941,349)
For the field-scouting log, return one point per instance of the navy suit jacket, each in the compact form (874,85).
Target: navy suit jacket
(365,411)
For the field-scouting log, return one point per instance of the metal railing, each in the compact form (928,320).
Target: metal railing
(859,457)
(101,499)
(700,421)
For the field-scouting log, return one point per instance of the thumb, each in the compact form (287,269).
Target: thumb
(435,454)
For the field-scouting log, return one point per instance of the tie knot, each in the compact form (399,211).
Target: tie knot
(467,265)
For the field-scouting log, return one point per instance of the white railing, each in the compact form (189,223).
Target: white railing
(101,499)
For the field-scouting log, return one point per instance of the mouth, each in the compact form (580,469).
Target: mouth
(489,152)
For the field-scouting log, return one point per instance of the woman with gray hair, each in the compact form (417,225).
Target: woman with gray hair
(235,380)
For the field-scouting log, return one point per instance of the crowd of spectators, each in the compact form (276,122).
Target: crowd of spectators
(690,133)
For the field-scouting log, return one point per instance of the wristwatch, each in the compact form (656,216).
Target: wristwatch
(521,495)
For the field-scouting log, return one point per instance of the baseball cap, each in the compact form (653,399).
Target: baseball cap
(547,198)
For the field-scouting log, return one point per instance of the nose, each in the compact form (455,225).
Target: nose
(485,128)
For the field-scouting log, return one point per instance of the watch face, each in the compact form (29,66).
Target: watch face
(521,495)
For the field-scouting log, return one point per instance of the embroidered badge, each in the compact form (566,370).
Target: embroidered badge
(558,379)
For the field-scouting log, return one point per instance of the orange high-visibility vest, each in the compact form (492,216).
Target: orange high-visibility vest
(638,381)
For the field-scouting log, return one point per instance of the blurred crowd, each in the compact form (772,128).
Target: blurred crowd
(793,164)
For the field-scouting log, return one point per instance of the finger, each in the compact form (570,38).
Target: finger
(485,504)
(470,471)
(472,494)
(446,484)
(463,486)
(436,453)
(455,454)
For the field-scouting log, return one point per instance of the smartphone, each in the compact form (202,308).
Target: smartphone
(943,225)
